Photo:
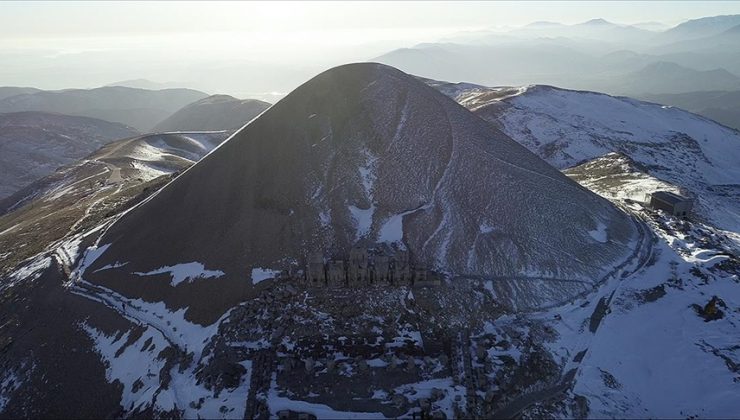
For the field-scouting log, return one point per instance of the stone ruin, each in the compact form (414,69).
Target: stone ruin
(365,268)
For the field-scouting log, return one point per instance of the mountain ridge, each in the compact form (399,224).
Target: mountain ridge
(568,127)
(138,108)
(33,144)
(351,170)
(215,112)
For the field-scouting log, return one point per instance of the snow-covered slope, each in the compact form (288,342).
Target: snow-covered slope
(141,157)
(80,195)
(568,127)
(153,155)
(618,178)
(34,144)
(656,353)
(370,155)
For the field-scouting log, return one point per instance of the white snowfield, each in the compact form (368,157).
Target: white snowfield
(259,274)
(567,128)
(667,361)
(605,121)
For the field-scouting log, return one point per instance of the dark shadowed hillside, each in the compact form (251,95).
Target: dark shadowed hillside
(138,108)
(8,91)
(721,106)
(370,155)
(217,112)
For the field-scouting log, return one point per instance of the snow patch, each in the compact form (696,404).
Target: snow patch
(392,229)
(486,228)
(137,367)
(88,258)
(423,389)
(363,219)
(11,380)
(117,264)
(32,270)
(599,234)
(278,403)
(184,272)
(259,274)
(325,218)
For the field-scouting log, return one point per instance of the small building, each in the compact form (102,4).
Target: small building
(669,202)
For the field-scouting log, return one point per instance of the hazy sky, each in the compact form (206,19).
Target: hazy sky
(45,44)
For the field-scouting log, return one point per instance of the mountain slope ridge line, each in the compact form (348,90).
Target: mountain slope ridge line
(282,185)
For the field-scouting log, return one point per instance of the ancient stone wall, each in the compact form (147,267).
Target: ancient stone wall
(363,269)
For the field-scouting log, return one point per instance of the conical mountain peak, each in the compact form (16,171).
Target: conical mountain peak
(363,154)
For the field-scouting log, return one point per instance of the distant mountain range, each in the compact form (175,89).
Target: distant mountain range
(721,106)
(8,91)
(597,55)
(700,28)
(665,77)
(217,112)
(138,108)
(146,84)
(594,29)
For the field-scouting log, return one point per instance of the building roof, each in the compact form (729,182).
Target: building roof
(669,197)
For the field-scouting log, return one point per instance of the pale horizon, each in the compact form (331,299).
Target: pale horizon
(59,45)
